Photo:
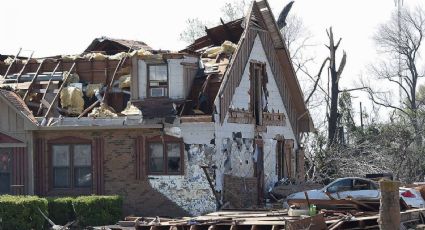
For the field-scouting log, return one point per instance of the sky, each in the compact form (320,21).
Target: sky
(51,27)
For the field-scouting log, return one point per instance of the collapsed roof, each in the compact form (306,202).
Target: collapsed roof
(106,76)
(111,46)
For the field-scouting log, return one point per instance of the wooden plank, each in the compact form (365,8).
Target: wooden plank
(316,222)
(57,95)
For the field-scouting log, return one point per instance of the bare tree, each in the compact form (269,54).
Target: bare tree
(195,28)
(234,10)
(400,40)
(335,75)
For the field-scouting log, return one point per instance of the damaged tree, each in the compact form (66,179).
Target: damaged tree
(335,75)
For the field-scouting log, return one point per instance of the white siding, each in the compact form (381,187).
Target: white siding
(142,75)
(191,191)
(241,157)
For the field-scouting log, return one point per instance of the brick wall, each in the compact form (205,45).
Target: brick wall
(119,171)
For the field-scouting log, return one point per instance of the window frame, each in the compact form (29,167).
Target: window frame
(71,142)
(164,140)
(148,79)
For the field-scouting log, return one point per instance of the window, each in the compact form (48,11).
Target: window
(258,90)
(5,169)
(165,156)
(71,166)
(364,185)
(158,80)
(340,186)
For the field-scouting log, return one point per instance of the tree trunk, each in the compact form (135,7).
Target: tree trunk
(335,76)
(333,116)
(389,211)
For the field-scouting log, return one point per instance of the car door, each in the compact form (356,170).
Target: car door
(364,190)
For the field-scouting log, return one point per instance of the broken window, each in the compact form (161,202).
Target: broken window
(157,80)
(71,166)
(5,169)
(165,156)
(259,93)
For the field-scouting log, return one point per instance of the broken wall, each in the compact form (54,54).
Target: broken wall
(235,154)
(190,191)
(177,88)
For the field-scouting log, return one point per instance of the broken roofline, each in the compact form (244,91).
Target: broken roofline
(103,66)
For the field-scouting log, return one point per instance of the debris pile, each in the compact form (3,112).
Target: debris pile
(103,111)
(227,47)
(131,110)
(268,219)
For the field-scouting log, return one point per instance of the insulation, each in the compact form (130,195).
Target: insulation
(213,51)
(103,111)
(9,61)
(141,52)
(131,110)
(95,56)
(72,100)
(228,47)
(70,57)
(92,88)
(117,56)
(124,82)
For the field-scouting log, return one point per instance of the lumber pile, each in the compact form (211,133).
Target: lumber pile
(268,220)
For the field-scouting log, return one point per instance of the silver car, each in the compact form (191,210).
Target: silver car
(358,189)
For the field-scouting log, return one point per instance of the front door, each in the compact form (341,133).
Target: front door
(5,170)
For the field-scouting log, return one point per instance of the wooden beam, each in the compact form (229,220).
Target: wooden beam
(33,79)
(57,95)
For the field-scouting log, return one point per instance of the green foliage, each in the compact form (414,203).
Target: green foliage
(98,210)
(21,212)
(61,210)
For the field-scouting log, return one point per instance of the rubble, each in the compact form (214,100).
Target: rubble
(103,111)
(131,110)
(227,47)
(268,219)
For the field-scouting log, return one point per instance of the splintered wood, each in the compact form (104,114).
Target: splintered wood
(268,220)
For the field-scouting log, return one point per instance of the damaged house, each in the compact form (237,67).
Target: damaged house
(174,133)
